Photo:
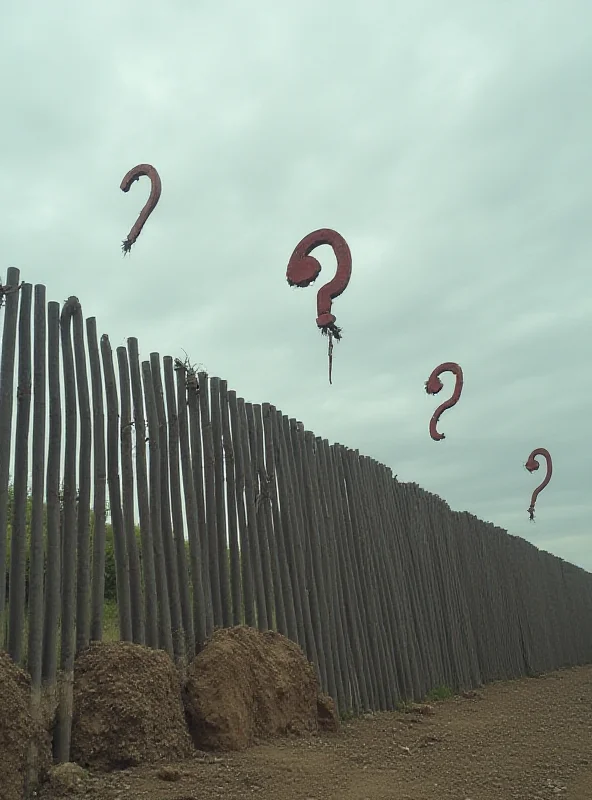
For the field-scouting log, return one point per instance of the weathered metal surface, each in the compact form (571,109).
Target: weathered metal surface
(304,269)
(148,171)
(434,385)
(531,465)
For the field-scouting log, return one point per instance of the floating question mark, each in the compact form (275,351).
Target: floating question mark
(434,385)
(304,269)
(148,171)
(531,465)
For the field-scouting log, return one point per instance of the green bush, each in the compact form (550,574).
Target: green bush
(110,593)
(110,583)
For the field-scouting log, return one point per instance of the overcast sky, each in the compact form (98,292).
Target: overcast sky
(449,143)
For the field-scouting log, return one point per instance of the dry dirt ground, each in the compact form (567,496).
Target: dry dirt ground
(521,740)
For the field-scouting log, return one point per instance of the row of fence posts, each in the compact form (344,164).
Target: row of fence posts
(245,518)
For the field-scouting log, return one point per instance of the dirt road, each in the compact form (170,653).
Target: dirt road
(522,740)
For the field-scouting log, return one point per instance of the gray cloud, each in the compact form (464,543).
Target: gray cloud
(447,143)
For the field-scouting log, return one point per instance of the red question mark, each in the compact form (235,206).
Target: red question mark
(531,465)
(304,269)
(434,385)
(148,171)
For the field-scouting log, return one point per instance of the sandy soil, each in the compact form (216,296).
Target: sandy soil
(521,740)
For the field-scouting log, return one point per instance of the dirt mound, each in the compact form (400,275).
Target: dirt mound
(327,715)
(17,728)
(246,685)
(127,707)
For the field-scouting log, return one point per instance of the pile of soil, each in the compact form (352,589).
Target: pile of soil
(327,716)
(245,686)
(17,728)
(127,707)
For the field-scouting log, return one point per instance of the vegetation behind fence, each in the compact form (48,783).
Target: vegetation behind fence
(222,512)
